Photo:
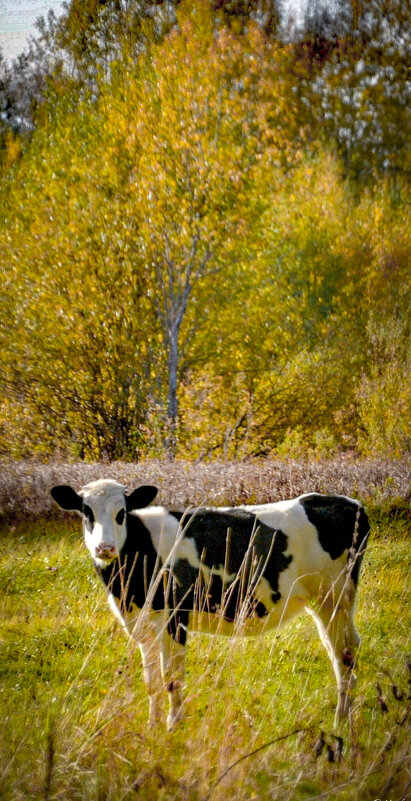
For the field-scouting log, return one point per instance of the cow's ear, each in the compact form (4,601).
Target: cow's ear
(67,498)
(141,497)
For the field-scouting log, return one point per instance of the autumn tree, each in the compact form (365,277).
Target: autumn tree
(195,138)
(75,325)
(358,87)
(384,395)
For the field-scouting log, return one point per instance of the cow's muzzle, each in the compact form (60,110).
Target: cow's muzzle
(106,550)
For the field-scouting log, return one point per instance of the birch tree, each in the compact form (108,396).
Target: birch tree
(192,166)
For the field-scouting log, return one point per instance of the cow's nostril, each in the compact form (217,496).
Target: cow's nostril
(105,549)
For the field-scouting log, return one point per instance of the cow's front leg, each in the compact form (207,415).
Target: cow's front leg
(150,655)
(172,658)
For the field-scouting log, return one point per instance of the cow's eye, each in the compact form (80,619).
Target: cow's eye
(88,513)
(120,517)
(89,517)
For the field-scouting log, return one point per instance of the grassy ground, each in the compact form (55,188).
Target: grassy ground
(73,706)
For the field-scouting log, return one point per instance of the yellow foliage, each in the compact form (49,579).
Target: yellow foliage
(183,201)
(13,148)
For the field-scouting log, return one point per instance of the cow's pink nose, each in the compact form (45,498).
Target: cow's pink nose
(105,550)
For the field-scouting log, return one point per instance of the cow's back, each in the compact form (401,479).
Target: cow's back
(323,531)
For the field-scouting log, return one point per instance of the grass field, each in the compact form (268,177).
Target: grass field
(74,709)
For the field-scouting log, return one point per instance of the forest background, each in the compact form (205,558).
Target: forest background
(203,232)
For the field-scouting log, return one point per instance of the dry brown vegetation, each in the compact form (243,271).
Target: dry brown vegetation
(25,485)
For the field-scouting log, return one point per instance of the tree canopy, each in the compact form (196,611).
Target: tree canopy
(204,227)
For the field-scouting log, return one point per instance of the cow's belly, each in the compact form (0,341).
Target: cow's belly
(249,622)
(216,624)
(259,615)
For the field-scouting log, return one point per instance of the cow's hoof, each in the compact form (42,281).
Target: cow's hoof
(343,710)
(173,718)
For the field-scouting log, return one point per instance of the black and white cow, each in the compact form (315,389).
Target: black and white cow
(222,570)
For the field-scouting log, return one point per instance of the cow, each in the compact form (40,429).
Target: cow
(222,570)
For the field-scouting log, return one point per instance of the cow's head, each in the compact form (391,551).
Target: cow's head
(104,506)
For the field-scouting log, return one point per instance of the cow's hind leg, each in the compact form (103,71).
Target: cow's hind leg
(338,633)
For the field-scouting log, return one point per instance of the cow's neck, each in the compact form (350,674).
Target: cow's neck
(129,576)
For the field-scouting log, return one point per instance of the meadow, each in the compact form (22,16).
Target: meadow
(259,713)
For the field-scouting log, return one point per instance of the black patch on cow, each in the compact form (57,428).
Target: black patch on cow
(177,627)
(67,498)
(236,540)
(177,623)
(141,497)
(88,517)
(129,576)
(88,512)
(120,517)
(341,525)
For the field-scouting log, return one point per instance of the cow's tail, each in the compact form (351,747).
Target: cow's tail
(361,533)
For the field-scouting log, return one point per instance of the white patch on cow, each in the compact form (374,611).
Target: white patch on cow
(303,542)
(167,535)
(105,499)
(220,571)
(114,604)
(162,527)
(129,618)
(345,497)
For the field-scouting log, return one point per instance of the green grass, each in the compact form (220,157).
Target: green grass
(74,709)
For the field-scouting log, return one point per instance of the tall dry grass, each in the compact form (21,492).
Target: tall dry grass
(25,485)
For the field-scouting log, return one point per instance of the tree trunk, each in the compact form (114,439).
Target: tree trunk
(172,402)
